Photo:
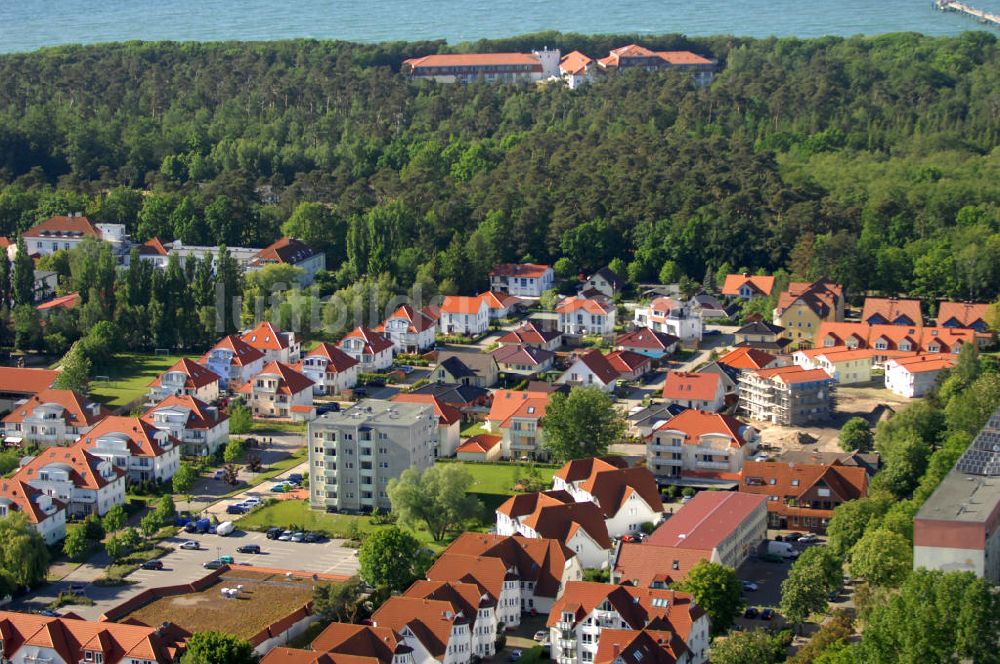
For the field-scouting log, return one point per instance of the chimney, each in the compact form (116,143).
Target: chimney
(617,649)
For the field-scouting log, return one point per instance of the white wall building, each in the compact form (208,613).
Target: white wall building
(200,427)
(670,315)
(135,446)
(85,483)
(372,350)
(234,361)
(46,514)
(522,279)
(330,369)
(463,315)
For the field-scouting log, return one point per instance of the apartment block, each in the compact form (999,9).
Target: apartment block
(789,396)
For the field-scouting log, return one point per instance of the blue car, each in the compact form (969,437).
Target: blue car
(278,488)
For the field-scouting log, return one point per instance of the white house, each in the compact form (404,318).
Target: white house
(410,330)
(330,369)
(372,350)
(276,345)
(234,361)
(700,444)
(467,600)
(52,417)
(84,483)
(449,422)
(279,391)
(500,305)
(627,497)
(66,232)
(200,428)
(592,369)
(670,315)
(522,279)
(694,390)
(185,377)
(289,251)
(46,514)
(582,316)
(914,376)
(577,69)
(604,282)
(463,315)
(517,417)
(137,447)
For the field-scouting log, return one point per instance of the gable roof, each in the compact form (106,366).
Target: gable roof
(17,380)
(266,337)
(644,564)
(924,362)
(462,304)
(429,620)
(480,443)
(609,276)
(375,342)
(284,250)
(338,359)
(612,489)
(760,327)
(523,355)
(380,643)
(508,404)
(598,365)
(243,353)
(706,520)
(65,302)
(965,314)
(139,435)
(466,363)
(447,415)
(575,63)
(576,470)
(76,460)
(473,60)
(520,270)
(418,321)
(820,296)
(591,306)
(529,333)
(647,339)
(560,521)
(890,309)
(760,284)
(792,480)
(695,423)
(627,361)
(77,411)
(456,394)
(153,247)
(290,381)
(284,655)
(868,336)
(646,645)
(495,300)
(747,358)
(197,375)
(199,414)
(685,385)
(24,498)
(61,226)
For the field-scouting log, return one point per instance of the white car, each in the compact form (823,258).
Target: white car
(808,539)
(541,635)
(190,545)
(253,501)
(749,586)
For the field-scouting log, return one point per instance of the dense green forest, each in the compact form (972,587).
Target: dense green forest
(871,160)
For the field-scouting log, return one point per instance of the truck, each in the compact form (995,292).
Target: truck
(783,549)
(224,528)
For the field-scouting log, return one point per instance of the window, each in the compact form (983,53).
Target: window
(795,482)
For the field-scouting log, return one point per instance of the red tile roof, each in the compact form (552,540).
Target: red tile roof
(243,353)
(761,284)
(890,309)
(77,411)
(964,314)
(707,520)
(682,385)
(200,417)
(65,302)
(380,643)
(571,304)
(562,521)
(138,434)
(375,343)
(525,270)
(461,304)
(695,423)
(599,366)
(793,375)
(523,504)
(644,564)
(821,296)
(197,375)
(81,464)
(508,404)
(480,444)
(577,470)
(290,381)
(266,337)
(926,362)
(15,380)
(684,58)
(153,247)
(285,250)
(338,360)
(529,333)
(648,645)
(613,488)
(24,498)
(283,655)
(474,60)
(499,300)
(418,320)
(447,415)
(946,339)
(627,361)
(646,339)
(575,63)
(795,480)
(62,226)
(431,621)
(747,358)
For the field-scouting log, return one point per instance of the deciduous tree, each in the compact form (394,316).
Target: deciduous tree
(436,497)
(218,648)
(882,557)
(582,424)
(391,558)
(717,590)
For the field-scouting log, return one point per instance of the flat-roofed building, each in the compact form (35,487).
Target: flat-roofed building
(501,67)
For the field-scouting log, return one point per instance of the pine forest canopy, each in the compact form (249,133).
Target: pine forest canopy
(873,160)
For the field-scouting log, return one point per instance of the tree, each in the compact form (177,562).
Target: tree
(74,373)
(753,647)
(230,474)
(717,590)
(233,450)
(563,268)
(115,547)
(76,543)
(150,524)
(831,636)
(856,435)
(391,558)
(23,280)
(582,424)
(436,497)
(240,418)
(549,300)
(815,574)
(218,648)
(114,519)
(882,557)
(166,511)
(338,602)
(23,555)
(184,479)
(851,519)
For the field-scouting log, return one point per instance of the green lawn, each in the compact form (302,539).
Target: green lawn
(499,478)
(473,429)
(264,427)
(130,377)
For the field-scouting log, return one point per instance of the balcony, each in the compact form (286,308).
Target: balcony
(713,465)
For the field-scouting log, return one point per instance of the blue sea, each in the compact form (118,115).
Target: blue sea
(30,24)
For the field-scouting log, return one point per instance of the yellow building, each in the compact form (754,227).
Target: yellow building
(804,306)
(847,366)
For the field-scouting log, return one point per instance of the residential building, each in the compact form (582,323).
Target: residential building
(47,515)
(64,303)
(18,384)
(694,390)
(643,421)
(629,365)
(747,286)
(586,609)
(289,251)
(343,643)
(762,335)
(467,601)
(158,253)
(577,69)
(892,311)
(579,316)
(518,574)
(672,316)
(500,67)
(702,69)
(234,361)
(482,447)
(432,628)
(958,528)
(534,335)
(707,306)
(31,638)
(729,376)
(372,350)
(917,375)
(617,646)
(750,359)
(591,369)
(185,377)
(410,330)
(52,417)
(84,483)
(331,370)
(465,316)
(500,305)
(847,366)
(893,338)
(964,315)
(354,453)
(803,306)
(466,367)
(517,416)
(555,515)
(642,565)
(276,345)
(870,461)
(279,391)
(643,340)
(699,445)
(145,453)
(731,525)
(522,279)
(64,232)
(523,360)
(627,497)
(449,421)
(472,401)
(200,428)
(802,496)
(789,396)
(605,282)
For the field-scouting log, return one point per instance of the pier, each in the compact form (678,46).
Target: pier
(962,8)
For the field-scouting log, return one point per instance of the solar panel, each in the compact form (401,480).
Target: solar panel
(983,455)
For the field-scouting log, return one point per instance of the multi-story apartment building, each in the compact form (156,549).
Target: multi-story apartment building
(371,349)
(355,452)
(52,417)
(449,421)
(436,629)
(279,391)
(476,607)
(467,67)
(84,483)
(700,445)
(410,330)
(522,279)
(359,643)
(787,395)
(627,497)
(517,416)
(671,316)
(137,447)
(887,340)
(188,378)
(330,369)
(633,56)
(47,515)
(200,428)
(579,618)
(234,361)
(964,315)
(804,306)
(916,375)
(276,345)
(892,311)
(579,316)
(555,515)
(289,251)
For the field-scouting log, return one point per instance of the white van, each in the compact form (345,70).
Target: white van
(224,528)
(783,549)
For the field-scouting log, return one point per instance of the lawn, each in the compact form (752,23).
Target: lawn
(499,478)
(130,376)
(267,426)
(473,429)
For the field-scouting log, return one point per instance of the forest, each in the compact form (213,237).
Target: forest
(871,160)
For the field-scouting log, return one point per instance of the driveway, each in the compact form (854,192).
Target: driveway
(261,491)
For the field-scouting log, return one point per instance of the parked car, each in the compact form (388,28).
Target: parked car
(278,488)
(406,368)
(359,392)
(297,537)
(285,536)
(248,548)
(311,538)
(182,521)
(239,508)
(515,654)
(749,586)
(328,408)
(811,538)
(273,533)
(540,635)
(219,474)
(772,558)
(152,564)
(212,564)
(767,614)
(793,537)
(226,560)
(294,478)
(78,588)
(751,613)
(190,545)
(48,614)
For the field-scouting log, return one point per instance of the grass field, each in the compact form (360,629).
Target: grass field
(499,478)
(130,377)
(473,429)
